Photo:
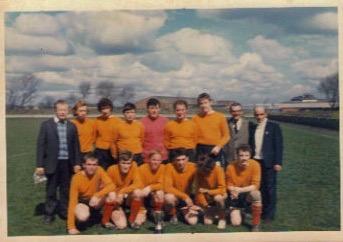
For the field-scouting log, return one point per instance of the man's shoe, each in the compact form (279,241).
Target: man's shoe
(48,220)
(174,220)
(221,224)
(268,220)
(255,228)
(135,226)
(109,225)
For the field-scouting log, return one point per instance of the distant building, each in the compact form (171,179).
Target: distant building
(306,97)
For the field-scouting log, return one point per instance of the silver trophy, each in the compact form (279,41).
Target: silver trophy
(158,216)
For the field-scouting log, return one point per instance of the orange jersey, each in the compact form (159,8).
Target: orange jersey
(180,183)
(125,183)
(180,134)
(128,136)
(213,129)
(237,176)
(214,182)
(153,179)
(104,131)
(83,187)
(87,134)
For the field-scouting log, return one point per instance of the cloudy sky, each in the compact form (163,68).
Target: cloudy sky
(247,55)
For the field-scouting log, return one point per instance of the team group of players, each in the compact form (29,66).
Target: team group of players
(160,169)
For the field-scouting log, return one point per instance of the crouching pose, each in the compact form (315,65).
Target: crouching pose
(152,176)
(243,178)
(86,194)
(210,190)
(178,183)
(126,179)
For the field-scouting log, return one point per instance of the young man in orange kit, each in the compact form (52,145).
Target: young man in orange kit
(152,175)
(178,188)
(243,178)
(87,192)
(126,179)
(213,130)
(181,132)
(210,190)
(105,126)
(129,135)
(85,127)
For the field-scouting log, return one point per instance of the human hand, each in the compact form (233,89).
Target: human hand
(77,168)
(73,231)
(203,190)
(40,171)
(215,150)
(277,167)
(146,190)
(189,202)
(94,201)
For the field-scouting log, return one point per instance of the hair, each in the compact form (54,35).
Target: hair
(125,155)
(206,163)
(244,148)
(154,152)
(104,102)
(153,102)
(78,105)
(235,104)
(128,106)
(180,102)
(265,110)
(89,156)
(174,153)
(203,96)
(60,102)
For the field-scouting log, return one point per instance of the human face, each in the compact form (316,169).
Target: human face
(106,111)
(260,114)
(155,162)
(153,111)
(124,166)
(181,162)
(130,115)
(243,157)
(81,112)
(180,112)
(90,166)
(61,111)
(205,105)
(236,112)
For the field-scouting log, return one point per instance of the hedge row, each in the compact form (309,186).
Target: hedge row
(314,122)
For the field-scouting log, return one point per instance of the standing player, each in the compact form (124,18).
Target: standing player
(127,181)
(87,192)
(213,130)
(129,134)
(58,155)
(181,132)
(243,178)
(154,125)
(105,126)
(210,190)
(178,187)
(153,175)
(85,127)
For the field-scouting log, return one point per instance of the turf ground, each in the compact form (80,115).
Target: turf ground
(308,185)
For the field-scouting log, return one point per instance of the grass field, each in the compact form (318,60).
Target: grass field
(308,185)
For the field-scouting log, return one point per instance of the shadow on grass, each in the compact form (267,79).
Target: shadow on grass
(39,209)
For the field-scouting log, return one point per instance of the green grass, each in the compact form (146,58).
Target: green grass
(308,185)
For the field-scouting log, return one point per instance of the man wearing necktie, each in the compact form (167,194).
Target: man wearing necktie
(239,130)
(58,156)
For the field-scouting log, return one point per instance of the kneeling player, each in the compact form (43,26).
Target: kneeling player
(210,190)
(243,178)
(152,177)
(178,184)
(126,179)
(85,192)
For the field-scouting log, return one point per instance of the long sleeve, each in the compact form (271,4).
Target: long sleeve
(41,145)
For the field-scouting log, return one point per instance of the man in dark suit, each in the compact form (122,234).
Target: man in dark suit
(239,130)
(58,156)
(267,144)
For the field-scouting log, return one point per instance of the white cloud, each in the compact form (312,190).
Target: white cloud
(324,21)
(269,48)
(16,42)
(315,68)
(299,89)
(36,24)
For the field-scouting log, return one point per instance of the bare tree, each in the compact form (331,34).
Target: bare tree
(329,86)
(47,102)
(21,92)
(127,93)
(85,89)
(71,99)
(106,89)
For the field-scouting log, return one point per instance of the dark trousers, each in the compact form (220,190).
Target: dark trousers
(190,154)
(268,191)
(105,158)
(206,150)
(59,179)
